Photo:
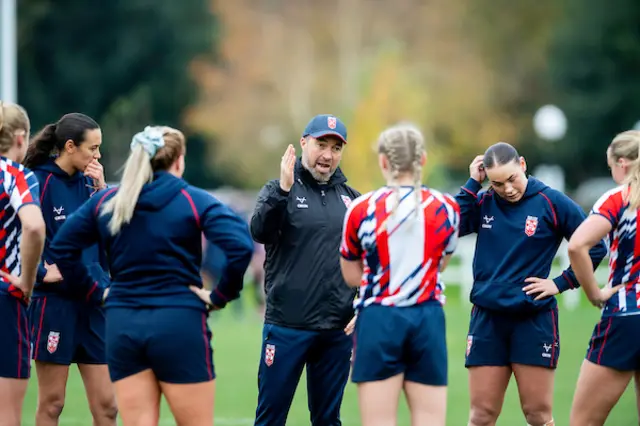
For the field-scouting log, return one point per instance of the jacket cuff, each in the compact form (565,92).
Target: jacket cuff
(40,273)
(564,283)
(96,294)
(472,186)
(282,191)
(218,299)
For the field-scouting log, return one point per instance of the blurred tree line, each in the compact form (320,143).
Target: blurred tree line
(123,62)
(468,73)
(242,77)
(594,71)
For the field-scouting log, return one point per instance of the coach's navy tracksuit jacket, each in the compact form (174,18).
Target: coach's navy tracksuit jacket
(517,241)
(60,196)
(155,258)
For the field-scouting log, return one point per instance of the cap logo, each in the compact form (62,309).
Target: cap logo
(331,122)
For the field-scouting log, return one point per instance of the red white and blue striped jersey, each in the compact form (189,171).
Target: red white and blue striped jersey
(624,251)
(19,188)
(402,249)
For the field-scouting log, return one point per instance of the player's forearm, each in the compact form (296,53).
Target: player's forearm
(351,272)
(31,246)
(583,269)
(469,215)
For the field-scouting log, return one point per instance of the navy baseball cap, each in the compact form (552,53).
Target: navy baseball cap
(326,125)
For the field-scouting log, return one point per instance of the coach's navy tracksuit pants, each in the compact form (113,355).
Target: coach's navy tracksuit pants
(285,351)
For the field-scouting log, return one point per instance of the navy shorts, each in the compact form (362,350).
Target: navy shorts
(175,343)
(66,331)
(498,339)
(615,343)
(392,340)
(14,338)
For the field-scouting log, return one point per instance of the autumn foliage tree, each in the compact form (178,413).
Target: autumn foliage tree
(372,63)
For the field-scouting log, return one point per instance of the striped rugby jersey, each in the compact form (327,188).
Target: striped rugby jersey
(19,188)
(401,251)
(624,251)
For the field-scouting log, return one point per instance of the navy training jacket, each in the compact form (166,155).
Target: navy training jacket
(61,195)
(518,240)
(155,258)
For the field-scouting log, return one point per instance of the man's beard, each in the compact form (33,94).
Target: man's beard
(320,177)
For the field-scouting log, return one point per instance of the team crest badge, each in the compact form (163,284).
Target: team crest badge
(52,341)
(530,225)
(269,354)
(469,344)
(331,122)
(346,200)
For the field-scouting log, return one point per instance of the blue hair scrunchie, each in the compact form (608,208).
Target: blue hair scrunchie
(150,139)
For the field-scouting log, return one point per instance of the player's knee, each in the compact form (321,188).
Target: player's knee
(51,407)
(538,415)
(105,408)
(482,415)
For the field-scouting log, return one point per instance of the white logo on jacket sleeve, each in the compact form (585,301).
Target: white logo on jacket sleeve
(531,225)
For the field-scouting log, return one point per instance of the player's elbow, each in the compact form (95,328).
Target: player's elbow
(31,221)
(351,272)
(576,248)
(246,248)
(34,229)
(260,235)
(445,262)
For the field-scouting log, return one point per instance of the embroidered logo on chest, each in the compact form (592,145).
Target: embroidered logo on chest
(487,221)
(530,225)
(58,213)
(346,200)
(302,203)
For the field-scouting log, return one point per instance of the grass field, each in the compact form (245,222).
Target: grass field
(237,351)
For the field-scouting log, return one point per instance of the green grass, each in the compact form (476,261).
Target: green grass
(237,351)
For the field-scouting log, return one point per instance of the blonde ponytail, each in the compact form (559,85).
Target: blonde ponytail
(138,170)
(13,120)
(633,178)
(627,145)
(418,150)
(403,145)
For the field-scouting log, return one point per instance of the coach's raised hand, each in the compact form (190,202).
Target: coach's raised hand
(476,169)
(286,168)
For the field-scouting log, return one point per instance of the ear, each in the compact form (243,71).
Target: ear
(21,140)
(523,165)
(178,166)
(303,142)
(423,159)
(623,162)
(69,146)
(383,162)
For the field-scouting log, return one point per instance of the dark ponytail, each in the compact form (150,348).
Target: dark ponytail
(41,147)
(51,140)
